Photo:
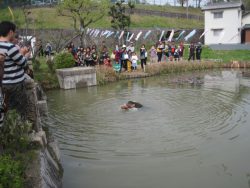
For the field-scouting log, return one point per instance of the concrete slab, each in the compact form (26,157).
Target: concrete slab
(77,77)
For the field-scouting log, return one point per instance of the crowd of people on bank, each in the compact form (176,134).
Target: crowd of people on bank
(127,58)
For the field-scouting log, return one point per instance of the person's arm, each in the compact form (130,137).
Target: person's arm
(2,58)
(16,56)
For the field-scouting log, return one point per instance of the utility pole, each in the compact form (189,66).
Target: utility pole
(187,8)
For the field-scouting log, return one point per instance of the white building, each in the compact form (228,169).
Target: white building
(246,27)
(224,23)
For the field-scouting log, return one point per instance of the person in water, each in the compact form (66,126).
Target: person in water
(130,105)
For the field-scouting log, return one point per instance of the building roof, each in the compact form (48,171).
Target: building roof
(222,5)
(246,26)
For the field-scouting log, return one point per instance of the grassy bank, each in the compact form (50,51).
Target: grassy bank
(224,55)
(48,18)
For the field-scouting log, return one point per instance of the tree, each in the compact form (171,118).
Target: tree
(246,4)
(131,6)
(199,4)
(83,13)
(119,19)
(182,2)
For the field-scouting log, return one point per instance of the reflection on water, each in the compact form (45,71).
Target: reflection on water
(227,81)
(186,135)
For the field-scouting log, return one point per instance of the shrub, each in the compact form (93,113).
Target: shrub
(36,64)
(11,173)
(50,64)
(64,60)
(50,81)
(14,134)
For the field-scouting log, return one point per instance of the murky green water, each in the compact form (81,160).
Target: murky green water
(189,134)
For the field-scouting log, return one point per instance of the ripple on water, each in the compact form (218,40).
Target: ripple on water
(173,121)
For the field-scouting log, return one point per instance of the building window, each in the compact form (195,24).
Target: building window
(217,32)
(218,15)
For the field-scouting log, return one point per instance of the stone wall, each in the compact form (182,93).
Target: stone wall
(45,170)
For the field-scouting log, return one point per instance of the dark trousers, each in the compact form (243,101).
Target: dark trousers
(191,56)
(16,98)
(124,64)
(143,62)
(88,62)
(198,56)
(159,55)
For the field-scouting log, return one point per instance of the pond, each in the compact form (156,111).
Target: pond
(193,131)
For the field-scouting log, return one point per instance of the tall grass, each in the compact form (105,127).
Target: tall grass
(178,67)
(107,74)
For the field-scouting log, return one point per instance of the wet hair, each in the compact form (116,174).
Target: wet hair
(137,105)
(6,27)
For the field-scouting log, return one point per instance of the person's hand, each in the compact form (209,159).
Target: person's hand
(124,106)
(2,57)
(24,50)
(27,55)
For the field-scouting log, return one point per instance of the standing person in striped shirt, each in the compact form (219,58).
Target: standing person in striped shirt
(13,78)
(2,59)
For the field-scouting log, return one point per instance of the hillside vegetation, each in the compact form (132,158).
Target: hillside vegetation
(48,18)
(173,9)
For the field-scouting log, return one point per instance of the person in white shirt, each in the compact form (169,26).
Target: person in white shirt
(131,47)
(134,60)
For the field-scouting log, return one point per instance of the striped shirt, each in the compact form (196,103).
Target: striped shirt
(13,64)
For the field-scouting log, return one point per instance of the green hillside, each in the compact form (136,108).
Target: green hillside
(49,19)
(191,10)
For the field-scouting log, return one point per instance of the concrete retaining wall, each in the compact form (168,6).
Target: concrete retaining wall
(45,170)
(76,77)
